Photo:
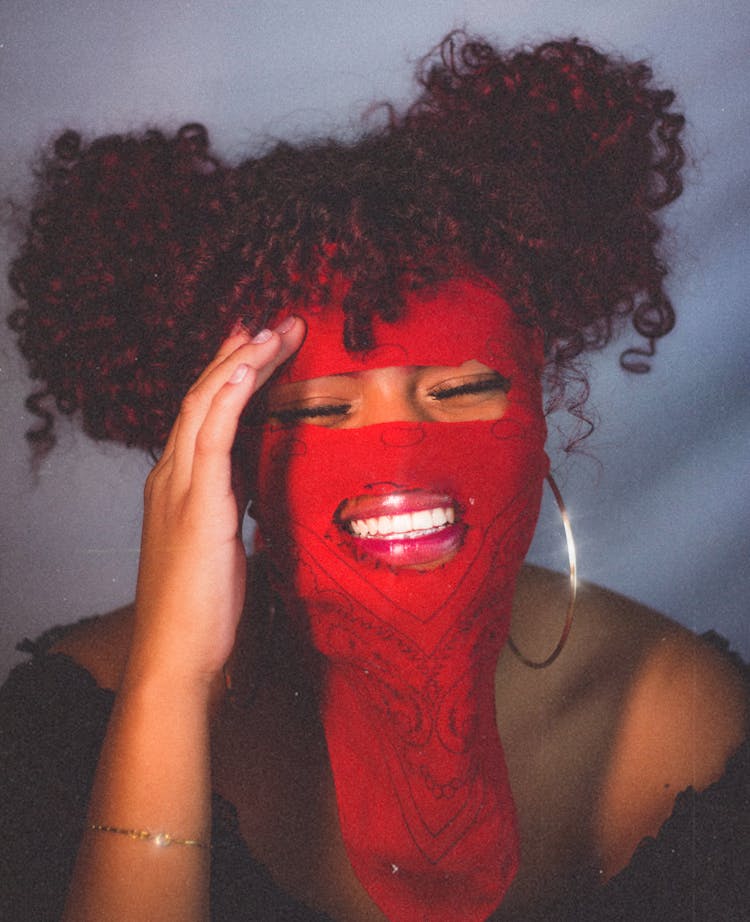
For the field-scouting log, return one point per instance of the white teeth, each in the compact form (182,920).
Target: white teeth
(411,524)
(421,520)
(402,523)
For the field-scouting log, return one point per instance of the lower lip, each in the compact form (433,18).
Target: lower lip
(431,549)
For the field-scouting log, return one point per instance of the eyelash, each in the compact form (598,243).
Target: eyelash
(480,386)
(286,417)
(297,414)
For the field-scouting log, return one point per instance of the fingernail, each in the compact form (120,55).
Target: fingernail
(286,324)
(261,337)
(238,374)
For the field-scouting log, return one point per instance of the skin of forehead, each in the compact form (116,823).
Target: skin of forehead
(461,321)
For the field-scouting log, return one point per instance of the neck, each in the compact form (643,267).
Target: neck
(422,791)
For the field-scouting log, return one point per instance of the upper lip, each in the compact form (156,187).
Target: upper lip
(399,501)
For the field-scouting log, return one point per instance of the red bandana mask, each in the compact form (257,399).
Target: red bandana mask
(424,802)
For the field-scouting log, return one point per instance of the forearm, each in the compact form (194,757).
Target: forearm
(154,770)
(153,774)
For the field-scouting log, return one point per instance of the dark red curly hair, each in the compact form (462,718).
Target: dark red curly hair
(541,168)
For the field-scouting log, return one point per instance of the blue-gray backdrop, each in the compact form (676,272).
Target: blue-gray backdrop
(660,499)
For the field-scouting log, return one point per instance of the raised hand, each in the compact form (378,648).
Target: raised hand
(191,581)
(154,770)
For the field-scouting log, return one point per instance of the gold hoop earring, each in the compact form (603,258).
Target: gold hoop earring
(572,587)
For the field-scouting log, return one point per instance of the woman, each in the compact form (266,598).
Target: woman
(342,727)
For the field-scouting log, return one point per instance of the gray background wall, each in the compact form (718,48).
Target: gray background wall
(660,510)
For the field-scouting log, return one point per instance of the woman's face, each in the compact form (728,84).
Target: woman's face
(359,441)
(401,527)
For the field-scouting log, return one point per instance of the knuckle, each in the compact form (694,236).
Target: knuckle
(205,443)
(192,403)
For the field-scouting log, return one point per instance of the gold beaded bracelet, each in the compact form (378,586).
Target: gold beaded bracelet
(160,839)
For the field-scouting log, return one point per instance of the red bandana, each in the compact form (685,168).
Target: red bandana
(424,802)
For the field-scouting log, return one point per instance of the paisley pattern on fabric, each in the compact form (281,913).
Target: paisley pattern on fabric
(409,707)
(424,801)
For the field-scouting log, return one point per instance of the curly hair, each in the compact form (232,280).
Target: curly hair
(541,168)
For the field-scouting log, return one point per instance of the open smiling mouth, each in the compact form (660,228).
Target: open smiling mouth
(409,528)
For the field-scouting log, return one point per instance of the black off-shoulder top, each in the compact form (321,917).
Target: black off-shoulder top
(53,717)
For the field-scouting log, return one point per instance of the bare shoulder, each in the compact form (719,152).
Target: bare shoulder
(100,645)
(659,708)
(658,660)
(682,712)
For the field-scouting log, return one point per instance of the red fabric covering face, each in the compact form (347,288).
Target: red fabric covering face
(424,802)
(464,320)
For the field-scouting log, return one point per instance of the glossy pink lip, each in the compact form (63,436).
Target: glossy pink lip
(422,547)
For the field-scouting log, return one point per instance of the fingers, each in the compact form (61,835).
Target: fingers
(207,424)
(238,337)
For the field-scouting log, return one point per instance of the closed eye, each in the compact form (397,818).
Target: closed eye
(292,415)
(482,385)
